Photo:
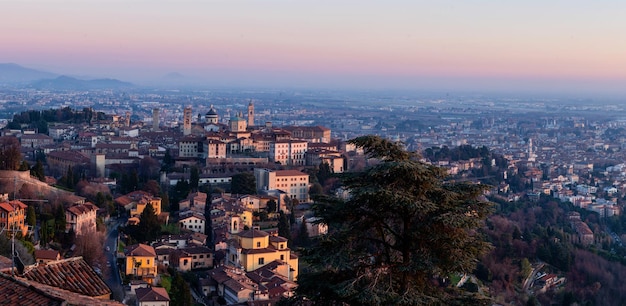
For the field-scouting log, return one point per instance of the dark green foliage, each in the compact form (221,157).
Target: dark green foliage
(179,192)
(148,228)
(165,201)
(316,189)
(24,166)
(303,235)
(101,200)
(261,214)
(403,227)
(284,228)
(38,171)
(243,183)
(59,219)
(149,225)
(194,178)
(271,206)
(180,294)
(42,127)
(20,248)
(31,218)
(69,178)
(462,152)
(168,162)
(149,169)
(323,173)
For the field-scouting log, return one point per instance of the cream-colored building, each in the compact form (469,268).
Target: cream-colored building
(253,249)
(214,149)
(288,152)
(292,183)
(81,218)
(193,222)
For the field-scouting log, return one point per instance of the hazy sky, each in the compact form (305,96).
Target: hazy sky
(413,44)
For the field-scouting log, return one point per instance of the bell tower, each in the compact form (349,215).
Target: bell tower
(250,114)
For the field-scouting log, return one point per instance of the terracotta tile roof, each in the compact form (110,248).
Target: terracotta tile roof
(82,209)
(73,274)
(153,294)
(258,251)
(5,263)
(139,250)
(73,156)
(197,250)
(72,298)
(9,206)
(278,239)
(15,292)
(253,234)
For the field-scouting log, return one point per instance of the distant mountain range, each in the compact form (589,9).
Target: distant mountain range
(69,83)
(14,74)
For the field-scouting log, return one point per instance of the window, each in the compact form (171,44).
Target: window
(282,257)
(258,244)
(148,262)
(261,260)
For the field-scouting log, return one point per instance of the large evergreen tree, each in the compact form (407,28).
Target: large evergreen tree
(31,217)
(149,227)
(38,171)
(180,294)
(403,228)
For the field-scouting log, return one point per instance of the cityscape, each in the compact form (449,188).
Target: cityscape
(158,153)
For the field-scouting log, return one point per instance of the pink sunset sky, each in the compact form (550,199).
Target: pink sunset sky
(300,42)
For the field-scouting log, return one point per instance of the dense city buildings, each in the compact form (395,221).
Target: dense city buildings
(225,167)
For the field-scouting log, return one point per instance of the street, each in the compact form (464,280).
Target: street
(113,279)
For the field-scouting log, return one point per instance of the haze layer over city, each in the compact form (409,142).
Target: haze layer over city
(312,152)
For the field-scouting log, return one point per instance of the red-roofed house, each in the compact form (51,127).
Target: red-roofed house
(81,218)
(153,296)
(12,215)
(141,261)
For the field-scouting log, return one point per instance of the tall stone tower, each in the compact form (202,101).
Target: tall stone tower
(250,114)
(99,162)
(155,119)
(187,121)
(127,119)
